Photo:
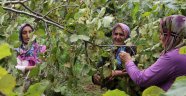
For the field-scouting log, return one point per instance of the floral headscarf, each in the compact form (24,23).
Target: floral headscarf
(28,56)
(174,30)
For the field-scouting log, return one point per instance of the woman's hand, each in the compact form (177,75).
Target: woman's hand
(125,57)
(116,73)
(30,67)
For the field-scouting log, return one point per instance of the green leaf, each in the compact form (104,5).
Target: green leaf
(152,91)
(3,72)
(40,32)
(115,92)
(182,50)
(43,66)
(172,6)
(107,20)
(178,88)
(92,71)
(100,2)
(34,72)
(14,37)
(87,2)
(101,34)
(74,38)
(107,71)
(80,13)
(37,89)
(5,50)
(7,82)
(2,19)
(84,37)
(146,14)
(102,12)
(183,11)
(99,24)
(1,9)
(135,10)
(81,29)
(94,21)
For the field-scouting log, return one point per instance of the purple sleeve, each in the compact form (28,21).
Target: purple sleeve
(157,73)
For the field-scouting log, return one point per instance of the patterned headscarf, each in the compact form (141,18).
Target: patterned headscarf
(174,30)
(124,27)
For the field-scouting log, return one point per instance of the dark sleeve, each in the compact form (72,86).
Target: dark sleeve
(132,50)
(102,61)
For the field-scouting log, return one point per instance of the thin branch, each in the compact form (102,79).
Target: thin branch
(35,16)
(30,9)
(88,60)
(47,31)
(13,2)
(59,7)
(51,11)
(86,53)
(91,43)
(101,46)
(37,13)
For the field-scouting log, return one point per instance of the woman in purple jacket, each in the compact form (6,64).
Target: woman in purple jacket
(170,64)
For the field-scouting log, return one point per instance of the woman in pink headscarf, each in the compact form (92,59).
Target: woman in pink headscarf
(170,64)
(120,33)
(29,50)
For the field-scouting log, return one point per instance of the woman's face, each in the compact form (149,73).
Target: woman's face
(118,36)
(26,34)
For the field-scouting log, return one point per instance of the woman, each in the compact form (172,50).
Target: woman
(120,33)
(28,51)
(170,64)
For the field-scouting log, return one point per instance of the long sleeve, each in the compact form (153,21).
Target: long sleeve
(156,74)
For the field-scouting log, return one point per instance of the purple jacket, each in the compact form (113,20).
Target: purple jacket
(162,73)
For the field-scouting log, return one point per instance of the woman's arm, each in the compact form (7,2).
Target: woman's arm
(157,73)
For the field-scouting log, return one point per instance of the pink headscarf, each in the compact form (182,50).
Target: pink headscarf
(174,30)
(124,27)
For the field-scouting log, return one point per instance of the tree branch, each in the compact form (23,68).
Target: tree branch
(59,7)
(29,9)
(13,2)
(35,16)
(47,31)
(37,13)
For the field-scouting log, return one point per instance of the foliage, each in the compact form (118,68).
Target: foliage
(37,89)
(115,92)
(5,50)
(7,82)
(153,91)
(177,89)
(182,50)
(72,31)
